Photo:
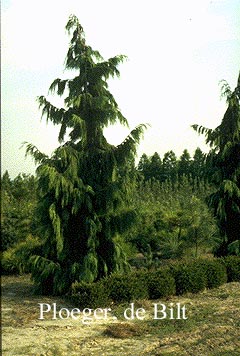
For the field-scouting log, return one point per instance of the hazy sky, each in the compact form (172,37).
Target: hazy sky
(178,51)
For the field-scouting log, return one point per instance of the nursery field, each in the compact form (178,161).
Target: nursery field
(212,326)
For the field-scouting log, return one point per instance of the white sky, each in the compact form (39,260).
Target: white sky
(178,51)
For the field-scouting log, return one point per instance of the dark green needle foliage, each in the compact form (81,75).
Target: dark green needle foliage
(85,186)
(224,171)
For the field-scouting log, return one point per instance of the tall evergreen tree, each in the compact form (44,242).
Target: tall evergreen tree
(84,186)
(155,166)
(225,173)
(184,164)
(169,166)
(6,183)
(198,165)
(143,166)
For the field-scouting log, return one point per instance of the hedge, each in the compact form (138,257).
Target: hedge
(176,279)
(89,295)
(159,283)
(121,288)
(215,272)
(189,277)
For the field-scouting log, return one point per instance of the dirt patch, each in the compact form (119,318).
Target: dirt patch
(123,330)
(212,327)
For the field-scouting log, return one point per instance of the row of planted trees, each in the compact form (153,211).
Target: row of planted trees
(91,205)
(170,167)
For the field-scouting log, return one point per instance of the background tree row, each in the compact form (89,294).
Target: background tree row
(170,167)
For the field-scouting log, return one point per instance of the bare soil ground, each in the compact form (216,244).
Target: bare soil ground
(212,327)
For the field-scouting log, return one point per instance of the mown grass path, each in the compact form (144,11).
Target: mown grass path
(212,327)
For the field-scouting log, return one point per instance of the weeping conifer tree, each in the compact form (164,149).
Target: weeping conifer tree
(85,185)
(223,164)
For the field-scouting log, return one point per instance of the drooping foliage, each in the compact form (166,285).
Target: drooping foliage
(84,187)
(224,163)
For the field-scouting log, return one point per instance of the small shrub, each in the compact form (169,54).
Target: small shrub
(9,262)
(16,260)
(232,264)
(160,284)
(189,277)
(89,295)
(124,288)
(215,271)
(24,250)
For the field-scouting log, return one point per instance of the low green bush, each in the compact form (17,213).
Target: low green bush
(232,264)
(178,278)
(89,295)
(16,260)
(9,262)
(189,277)
(215,272)
(160,283)
(125,288)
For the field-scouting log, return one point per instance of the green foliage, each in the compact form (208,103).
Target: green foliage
(173,218)
(224,170)
(184,164)
(143,166)
(232,264)
(179,277)
(196,275)
(234,248)
(127,287)
(18,201)
(172,167)
(16,260)
(9,262)
(154,168)
(89,295)
(215,271)
(85,187)
(169,165)
(198,165)
(189,277)
(49,271)
(171,246)
(160,283)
